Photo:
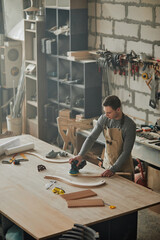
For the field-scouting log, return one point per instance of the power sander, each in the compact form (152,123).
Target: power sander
(75,169)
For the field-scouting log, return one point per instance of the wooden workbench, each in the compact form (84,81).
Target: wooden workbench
(142,149)
(147,152)
(42,214)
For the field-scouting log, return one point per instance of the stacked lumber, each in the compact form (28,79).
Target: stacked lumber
(80,55)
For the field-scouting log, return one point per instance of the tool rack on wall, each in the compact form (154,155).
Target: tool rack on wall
(72,84)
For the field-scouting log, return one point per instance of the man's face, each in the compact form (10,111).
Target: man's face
(111,113)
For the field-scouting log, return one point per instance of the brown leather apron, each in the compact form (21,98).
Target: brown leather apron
(114,147)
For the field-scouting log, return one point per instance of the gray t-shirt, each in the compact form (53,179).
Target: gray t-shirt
(128,128)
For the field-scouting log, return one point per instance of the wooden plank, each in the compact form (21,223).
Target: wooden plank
(65,113)
(85,203)
(79,195)
(98,176)
(78,54)
(77,184)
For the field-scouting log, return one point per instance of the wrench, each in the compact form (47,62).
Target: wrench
(152,102)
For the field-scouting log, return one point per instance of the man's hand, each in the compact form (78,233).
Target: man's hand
(107,173)
(78,158)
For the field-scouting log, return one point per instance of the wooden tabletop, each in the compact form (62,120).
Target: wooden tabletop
(41,213)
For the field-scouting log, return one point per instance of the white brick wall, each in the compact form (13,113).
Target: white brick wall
(157,110)
(157,51)
(124,95)
(139,47)
(91,41)
(113,45)
(104,26)
(126,29)
(113,11)
(118,80)
(142,101)
(142,14)
(150,33)
(98,10)
(157,14)
(135,113)
(122,26)
(138,85)
(152,119)
(153,2)
(93,22)
(127,1)
(91,9)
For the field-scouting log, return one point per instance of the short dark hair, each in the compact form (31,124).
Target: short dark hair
(112,101)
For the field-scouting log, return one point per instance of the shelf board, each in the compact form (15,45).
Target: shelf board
(33,103)
(64,105)
(63,81)
(60,8)
(78,109)
(31,61)
(70,84)
(30,30)
(78,85)
(31,76)
(30,20)
(33,120)
(63,57)
(52,55)
(53,124)
(52,78)
(52,100)
(76,60)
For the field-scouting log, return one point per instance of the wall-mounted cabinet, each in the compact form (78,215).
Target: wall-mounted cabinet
(35,78)
(74,85)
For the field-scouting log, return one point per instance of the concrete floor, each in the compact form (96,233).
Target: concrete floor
(148,225)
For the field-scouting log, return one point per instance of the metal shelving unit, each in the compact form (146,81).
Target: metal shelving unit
(74,85)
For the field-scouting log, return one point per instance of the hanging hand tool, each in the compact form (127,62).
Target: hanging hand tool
(145,76)
(133,72)
(147,79)
(137,70)
(152,102)
(58,190)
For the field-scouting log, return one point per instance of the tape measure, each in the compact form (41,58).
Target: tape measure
(58,190)
(144,76)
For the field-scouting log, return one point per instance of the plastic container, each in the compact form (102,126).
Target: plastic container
(14,125)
